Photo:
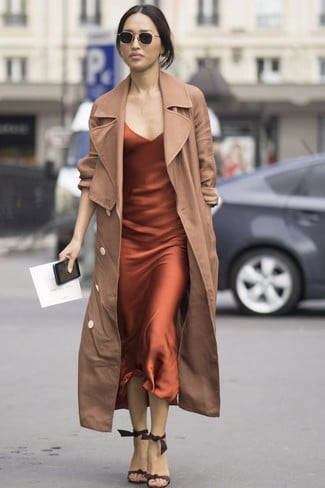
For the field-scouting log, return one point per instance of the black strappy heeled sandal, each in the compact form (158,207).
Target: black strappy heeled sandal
(163,448)
(132,472)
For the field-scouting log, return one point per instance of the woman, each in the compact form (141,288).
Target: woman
(149,331)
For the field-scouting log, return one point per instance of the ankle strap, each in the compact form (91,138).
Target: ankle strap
(157,438)
(134,433)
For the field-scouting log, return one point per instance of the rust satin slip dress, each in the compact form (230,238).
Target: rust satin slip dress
(153,270)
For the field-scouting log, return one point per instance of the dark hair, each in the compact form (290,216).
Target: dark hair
(158,18)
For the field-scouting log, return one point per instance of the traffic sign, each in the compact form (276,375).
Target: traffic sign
(102,64)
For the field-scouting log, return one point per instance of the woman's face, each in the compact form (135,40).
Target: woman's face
(140,57)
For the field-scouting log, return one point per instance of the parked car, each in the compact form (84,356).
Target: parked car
(270,230)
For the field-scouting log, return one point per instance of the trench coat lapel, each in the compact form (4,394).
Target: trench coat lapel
(177,124)
(108,136)
(110,112)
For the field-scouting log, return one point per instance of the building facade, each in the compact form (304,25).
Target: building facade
(271,54)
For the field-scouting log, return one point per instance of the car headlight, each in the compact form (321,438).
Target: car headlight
(217,207)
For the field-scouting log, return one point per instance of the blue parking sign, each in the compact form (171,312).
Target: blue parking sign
(102,65)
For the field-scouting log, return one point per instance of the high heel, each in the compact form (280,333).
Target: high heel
(137,472)
(163,448)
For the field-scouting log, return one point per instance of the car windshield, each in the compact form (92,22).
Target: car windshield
(78,147)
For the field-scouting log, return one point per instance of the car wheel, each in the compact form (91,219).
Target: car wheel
(266,282)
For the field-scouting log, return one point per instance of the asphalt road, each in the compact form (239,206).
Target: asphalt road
(270,435)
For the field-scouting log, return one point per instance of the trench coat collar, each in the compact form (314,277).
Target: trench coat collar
(177,122)
(174,94)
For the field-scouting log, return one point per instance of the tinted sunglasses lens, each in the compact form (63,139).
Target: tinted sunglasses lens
(145,38)
(126,37)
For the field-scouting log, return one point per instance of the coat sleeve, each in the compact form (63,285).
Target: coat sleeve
(87,165)
(207,163)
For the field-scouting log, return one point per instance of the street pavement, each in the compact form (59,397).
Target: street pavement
(270,434)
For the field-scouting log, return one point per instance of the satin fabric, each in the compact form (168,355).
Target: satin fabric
(153,269)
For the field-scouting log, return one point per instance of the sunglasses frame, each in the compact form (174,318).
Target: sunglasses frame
(137,36)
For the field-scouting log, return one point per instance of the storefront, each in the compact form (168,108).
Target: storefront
(30,118)
(239,147)
(261,123)
(17,139)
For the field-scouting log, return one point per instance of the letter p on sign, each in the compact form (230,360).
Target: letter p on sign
(96,63)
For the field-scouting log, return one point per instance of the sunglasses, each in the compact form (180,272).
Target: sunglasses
(143,37)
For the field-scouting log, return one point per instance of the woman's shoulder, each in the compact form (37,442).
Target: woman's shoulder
(192,89)
(195,93)
(174,85)
(111,99)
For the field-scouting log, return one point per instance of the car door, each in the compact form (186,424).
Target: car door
(306,223)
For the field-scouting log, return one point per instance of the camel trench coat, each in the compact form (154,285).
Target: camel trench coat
(191,168)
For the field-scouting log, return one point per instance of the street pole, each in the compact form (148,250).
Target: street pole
(64,16)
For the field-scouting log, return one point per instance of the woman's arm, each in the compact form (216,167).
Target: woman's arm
(85,212)
(208,172)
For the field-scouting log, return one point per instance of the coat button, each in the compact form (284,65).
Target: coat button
(90,324)
(97,287)
(102,251)
(108,212)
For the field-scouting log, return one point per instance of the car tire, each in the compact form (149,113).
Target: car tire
(266,282)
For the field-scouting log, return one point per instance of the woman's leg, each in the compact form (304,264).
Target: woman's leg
(137,402)
(157,462)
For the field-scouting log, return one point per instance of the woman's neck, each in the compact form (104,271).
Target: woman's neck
(146,82)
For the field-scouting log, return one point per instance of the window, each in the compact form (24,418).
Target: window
(17,143)
(315,182)
(208,12)
(322,69)
(268,70)
(90,12)
(287,183)
(16,69)
(268,14)
(15,13)
(269,140)
(153,2)
(210,62)
(322,12)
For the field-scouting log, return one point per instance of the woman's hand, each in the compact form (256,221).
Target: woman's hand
(71,252)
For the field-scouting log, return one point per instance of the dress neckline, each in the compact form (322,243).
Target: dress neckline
(142,137)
